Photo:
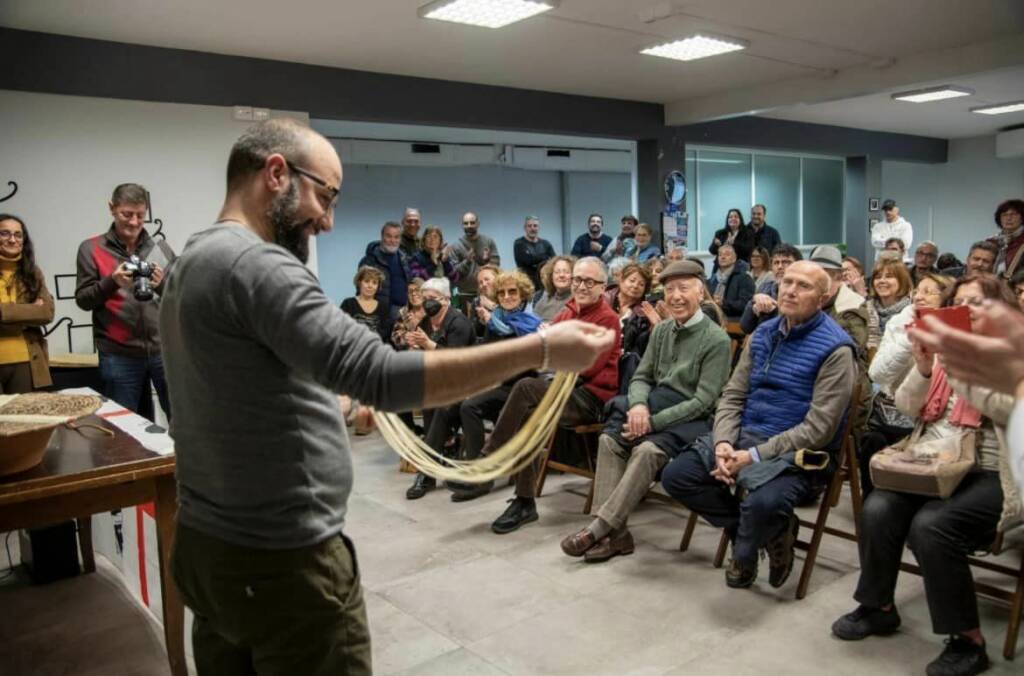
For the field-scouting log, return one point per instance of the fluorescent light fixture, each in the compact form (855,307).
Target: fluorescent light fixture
(485,13)
(1000,108)
(695,47)
(933,94)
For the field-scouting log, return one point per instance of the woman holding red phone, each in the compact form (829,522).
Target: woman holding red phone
(942,533)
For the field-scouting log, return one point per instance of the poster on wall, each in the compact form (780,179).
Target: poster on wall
(675,230)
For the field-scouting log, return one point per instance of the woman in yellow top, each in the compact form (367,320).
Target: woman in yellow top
(25,307)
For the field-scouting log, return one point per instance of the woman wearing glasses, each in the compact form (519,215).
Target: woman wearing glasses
(25,307)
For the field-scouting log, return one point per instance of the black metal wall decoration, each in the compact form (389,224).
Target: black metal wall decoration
(14,189)
(71,325)
(159,232)
(58,294)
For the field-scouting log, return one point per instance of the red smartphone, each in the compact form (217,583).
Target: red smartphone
(958,317)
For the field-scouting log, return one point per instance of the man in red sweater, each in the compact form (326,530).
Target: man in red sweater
(594,387)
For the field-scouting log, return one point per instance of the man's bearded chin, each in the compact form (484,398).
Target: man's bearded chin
(288,232)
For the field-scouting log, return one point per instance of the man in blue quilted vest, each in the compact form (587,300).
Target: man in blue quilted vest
(785,403)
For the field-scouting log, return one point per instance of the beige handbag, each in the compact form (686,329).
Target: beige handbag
(932,468)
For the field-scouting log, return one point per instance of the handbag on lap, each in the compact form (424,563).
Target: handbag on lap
(932,468)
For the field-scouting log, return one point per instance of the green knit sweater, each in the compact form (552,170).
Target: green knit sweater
(693,360)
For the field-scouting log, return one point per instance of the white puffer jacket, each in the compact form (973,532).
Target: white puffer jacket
(894,359)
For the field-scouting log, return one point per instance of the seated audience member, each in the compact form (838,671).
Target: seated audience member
(484,303)
(890,294)
(556,277)
(763,305)
(615,268)
(624,244)
(948,261)
(410,316)
(671,397)
(364,306)
(513,317)
(410,231)
(593,242)
(982,258)
(1009,217)
(730,285)
(26,306)
(442,327)
(789,392)
(387,256)
(594,387)
(472,252)
(889,367)
(896,245)
(531,252)
(636,315)
(645,248)
(853,276)
(736,233)
(760,266)
(941,533)
(434,259)
(1017,286)
(991,356)
(924,261)
(675,254)
(654,266)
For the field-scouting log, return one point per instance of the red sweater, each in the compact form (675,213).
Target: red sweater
(603,377)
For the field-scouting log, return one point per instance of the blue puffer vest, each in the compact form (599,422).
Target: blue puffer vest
(783,370)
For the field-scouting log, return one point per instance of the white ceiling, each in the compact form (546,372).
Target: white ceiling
(943,119)
(587,47)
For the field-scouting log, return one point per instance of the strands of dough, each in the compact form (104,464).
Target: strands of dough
(516,454)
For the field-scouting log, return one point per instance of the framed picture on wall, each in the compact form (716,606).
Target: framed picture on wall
(873,204)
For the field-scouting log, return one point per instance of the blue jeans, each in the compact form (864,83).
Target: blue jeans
(126,381)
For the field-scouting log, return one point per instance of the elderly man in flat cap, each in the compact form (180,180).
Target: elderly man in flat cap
(671,396)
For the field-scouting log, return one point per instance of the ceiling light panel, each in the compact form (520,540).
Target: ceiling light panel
(485,13)
(1000,108)
(933,94)
(696,47)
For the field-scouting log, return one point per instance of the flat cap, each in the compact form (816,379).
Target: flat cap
(682,268)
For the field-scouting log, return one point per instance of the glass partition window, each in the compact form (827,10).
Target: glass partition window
(804,196)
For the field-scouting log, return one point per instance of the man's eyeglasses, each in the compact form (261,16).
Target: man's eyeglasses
(332,191)
(10,234)
(587,282)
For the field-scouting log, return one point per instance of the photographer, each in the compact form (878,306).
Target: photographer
(120,277)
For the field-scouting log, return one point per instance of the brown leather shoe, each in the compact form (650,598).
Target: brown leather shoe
(609,546)
(578,543)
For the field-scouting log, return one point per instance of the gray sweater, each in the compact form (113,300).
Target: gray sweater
(254,352)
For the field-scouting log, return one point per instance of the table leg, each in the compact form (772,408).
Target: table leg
(85,543)
(174,611)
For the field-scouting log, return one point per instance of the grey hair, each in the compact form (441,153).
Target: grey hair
(438,284)
(594,260)
(617,264)
(531,218)
(284,136)
(129,193)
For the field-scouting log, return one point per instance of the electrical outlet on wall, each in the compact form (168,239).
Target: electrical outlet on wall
(242,113)
(260,114)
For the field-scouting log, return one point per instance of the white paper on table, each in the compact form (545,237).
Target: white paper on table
(147,433)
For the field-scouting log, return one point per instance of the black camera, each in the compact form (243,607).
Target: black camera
(141,271)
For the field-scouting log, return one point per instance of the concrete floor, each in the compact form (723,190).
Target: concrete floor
(447,596)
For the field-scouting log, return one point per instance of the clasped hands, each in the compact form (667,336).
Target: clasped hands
(729,462)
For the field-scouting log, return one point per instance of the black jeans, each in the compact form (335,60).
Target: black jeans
(474,411)
(942,534)
(439,424)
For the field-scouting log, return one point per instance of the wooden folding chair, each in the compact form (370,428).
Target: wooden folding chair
(846,472)
(589,434)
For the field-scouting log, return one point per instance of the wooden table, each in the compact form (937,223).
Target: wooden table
(84,473)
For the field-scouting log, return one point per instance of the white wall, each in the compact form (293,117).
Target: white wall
(67,153)
(952,203)
(502,197)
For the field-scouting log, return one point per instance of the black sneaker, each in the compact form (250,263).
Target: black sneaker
(780,553)
(420,487)
(962,657)
(740,575)
(864,622)
(471,491)
(519,512)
